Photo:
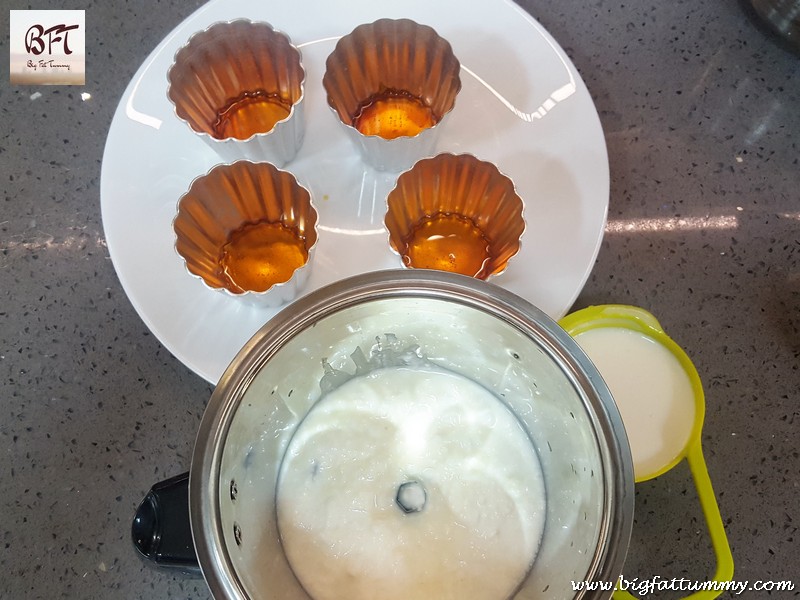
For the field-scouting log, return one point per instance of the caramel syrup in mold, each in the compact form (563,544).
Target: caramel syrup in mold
(259,255)
(250,113)
(447,242)
(393,113)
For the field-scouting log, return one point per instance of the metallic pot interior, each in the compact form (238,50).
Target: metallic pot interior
(470,327)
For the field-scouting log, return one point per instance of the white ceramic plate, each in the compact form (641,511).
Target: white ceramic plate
(523,106)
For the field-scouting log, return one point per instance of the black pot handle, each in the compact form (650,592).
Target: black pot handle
(161,529)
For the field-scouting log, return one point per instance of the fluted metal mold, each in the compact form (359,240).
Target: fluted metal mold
(223,61)
(229,196)
(458,184)
(396,54)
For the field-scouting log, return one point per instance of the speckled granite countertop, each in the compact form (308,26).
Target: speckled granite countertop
(701,113)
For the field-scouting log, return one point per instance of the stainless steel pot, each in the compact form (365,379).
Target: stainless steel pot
(415,321)
(781,17)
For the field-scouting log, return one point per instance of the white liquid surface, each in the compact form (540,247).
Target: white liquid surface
(652,391)
(479,529)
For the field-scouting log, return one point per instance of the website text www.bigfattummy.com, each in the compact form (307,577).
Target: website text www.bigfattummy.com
(642,587)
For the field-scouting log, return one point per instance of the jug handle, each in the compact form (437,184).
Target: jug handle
(716,530)
(161,530)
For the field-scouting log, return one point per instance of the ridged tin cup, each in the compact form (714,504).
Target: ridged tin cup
(442,200)
(395,56)
(239,85)
(230,197)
